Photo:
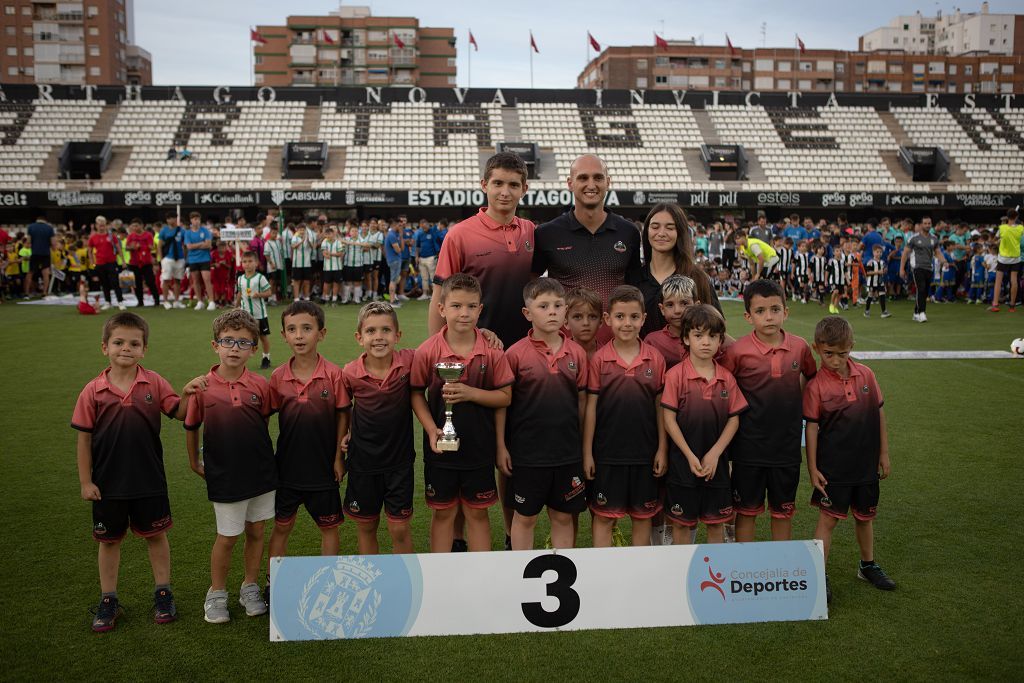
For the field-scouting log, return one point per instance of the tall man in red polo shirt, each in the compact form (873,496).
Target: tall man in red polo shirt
(496,247)
(140,260)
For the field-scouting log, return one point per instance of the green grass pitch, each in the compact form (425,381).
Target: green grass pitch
(947,532)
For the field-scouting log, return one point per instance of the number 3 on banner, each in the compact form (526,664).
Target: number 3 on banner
(561,588)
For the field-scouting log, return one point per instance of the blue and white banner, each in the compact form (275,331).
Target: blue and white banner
(316,598)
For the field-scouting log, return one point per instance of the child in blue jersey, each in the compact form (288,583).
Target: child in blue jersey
(978,275)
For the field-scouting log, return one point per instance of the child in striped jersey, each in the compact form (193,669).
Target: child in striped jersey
(252,289)
(333,249)
(302,262)
(874,271)
(352,267)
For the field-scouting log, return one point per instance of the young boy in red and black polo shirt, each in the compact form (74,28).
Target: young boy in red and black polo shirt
(701,411)
(583,317)
(466,475)
(624,448)
(233,407)
(380,451)
(311,402)
(121,466)
(539,433)
(771,368)
(678,292)
(847,444)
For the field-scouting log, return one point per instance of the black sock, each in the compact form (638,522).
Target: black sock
(111,594)
(163,587)
(864,564)
(881,302)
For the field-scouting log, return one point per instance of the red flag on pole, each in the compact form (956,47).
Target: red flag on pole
(533,43)
(327,38)
(660,42)
(593,43)
(256,37)
(398,41)
(728,42)
(472,41)
(801,45)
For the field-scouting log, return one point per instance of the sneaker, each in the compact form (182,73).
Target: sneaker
(874,575)
(265,363)
(886,314)
(828,591)
(730,532)
(216,607)
(923,317)
(991,309)
(106,306)
(832,309)
(666,536)
(199,305)
(106,615)
(249,597)
(1011,309)
(423,297)
(164,611)
(266,594)
(396,304)
(459,545)
(917,317)
(167,305)
(211,307)
(867,314)
(178,304)
(121,306)
(618,538)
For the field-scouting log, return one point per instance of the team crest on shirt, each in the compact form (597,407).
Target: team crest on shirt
(354,506)
(483,368)
(648,373)
(677,509)
(601,500)
(325,394)
(149,398)
(520,499)
(430,491)
(725,393)
(254,399)
(576,481)
(795,366)
(620,247)
(864,389)
(528,245)
(572,365)
(99,529)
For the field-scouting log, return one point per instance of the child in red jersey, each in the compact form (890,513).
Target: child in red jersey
(624,448)
(120,463)
(232,405)
(583,317)
(464,477)
(847,445)
(702,404)
(771,368)
(678,292)
(312,406)
(540,450)
(379,449)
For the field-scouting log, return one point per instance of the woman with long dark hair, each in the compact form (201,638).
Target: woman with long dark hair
(668,250)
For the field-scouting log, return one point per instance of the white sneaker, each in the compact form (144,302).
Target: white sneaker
(167,305)
(250,597)
(423,298)
(199,305)
(403,297)
(105,306)
(212,307)
(121,306)
(215,609)
(396,304)
(178,304)
(917,317)
(923,318)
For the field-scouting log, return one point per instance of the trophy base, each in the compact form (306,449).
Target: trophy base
(447,445)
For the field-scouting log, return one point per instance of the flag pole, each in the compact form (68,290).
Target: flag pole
(252,77)
(469,70)
(530,50)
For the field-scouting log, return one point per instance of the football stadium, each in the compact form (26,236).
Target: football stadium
(701,360)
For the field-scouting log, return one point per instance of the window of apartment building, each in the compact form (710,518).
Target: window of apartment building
(858,68)
(783,66)
(1007,69)
(746,85)
(94,31)
(641,81)
(783,83)
(9,9)
(764,83)
(951,88)
(746,67)
(26,11)
(840,67)
(803,84)
(376,36)
(968,69)
(28,51)
(12,52)
(259,59)
(661,61)
(936,67)
(987,68)
(840,85)
(376,55)
(720,82)
(11,30)
(806,66)
(94,50)
(952,69)
(720,64)
(764,64)
(678,81)
(259,79)
(876,66)
(700,82)
(896,68)
(93,11)
(894,86)
(29,71)
(95,71)
(452,80)
(641,65)
(917,87)
(1006,88)
(12,71)
(661,80)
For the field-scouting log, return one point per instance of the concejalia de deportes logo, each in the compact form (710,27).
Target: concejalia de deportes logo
(746,582)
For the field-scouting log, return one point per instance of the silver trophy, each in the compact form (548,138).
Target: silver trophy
(449,440)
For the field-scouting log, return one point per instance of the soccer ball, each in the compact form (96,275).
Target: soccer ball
(1017,347)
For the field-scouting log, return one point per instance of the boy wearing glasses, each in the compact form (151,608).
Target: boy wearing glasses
(233,406)
(252,289)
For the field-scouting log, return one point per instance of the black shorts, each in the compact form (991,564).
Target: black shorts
(621,490)
(316,266)
(198,267)
(750,483)
(1000,267)
(445,488)
(352,273)
(38,263)
(73,278)
(146,517)
(861,498)
(301,272)
(560,487)
(876,292)
(323,506)
(332,276)
(264,325)
(393,490)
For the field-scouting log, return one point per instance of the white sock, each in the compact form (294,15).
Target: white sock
(266,355)
(359,293)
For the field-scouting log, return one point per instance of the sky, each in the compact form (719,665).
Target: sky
(206,42)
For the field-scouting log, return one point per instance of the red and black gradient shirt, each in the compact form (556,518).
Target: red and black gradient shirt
(308,421)
(849,424)
(127,456)
(381,415)
(672,349)
(769,377)
(238,456)
(486,368)
(542,428)
(576,257)
(702,408)
(626,432)
(499,256)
